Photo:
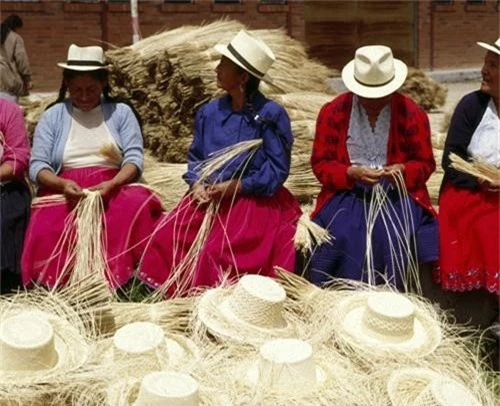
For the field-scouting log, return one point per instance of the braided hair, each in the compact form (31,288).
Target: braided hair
(11,23)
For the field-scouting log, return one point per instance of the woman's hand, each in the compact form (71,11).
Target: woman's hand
(106,188)
(71,190)
(200,193)
(364,174)
(390,171)
(486,185)
(224,189)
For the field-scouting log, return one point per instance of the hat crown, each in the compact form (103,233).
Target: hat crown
(250,53)
(168,388)
(85,54)
(138,338)
(286,362)
(27,343)
(374,65)
(445,392)
(258,300)
(389,314)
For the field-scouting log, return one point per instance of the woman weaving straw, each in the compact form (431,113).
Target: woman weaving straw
(372,154)
(240,219)
(84,145)
(469,215)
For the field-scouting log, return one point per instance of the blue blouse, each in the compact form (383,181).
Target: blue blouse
(217,126)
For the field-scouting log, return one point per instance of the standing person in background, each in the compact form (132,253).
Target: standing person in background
(15,75)
(255,222)
(14,193)
(365,139)
(469,207)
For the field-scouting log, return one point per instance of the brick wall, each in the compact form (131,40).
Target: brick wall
(50,26)
(448,33)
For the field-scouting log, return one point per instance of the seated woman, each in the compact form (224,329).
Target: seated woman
(253,227)
(469,207)
(15,195)
(69,156)
(371,144)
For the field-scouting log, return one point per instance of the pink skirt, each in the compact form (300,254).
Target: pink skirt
(130,216)
(248,235)
(469,232)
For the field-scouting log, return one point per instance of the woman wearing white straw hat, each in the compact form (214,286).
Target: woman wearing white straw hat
(255,216)
(87,142)
(373,145)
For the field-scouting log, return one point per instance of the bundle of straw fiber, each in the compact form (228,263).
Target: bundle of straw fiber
(33,108)
(423,90)
(476,167)
(169,75)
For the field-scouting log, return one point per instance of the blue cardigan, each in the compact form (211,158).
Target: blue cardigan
(53,130)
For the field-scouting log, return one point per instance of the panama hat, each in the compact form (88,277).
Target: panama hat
(145,347)
(374,72)
(424,387)
(36,346)
(159,388)
(386,323)
(248,52)
(251,311)
(284,364)
(493,47)
(84,58)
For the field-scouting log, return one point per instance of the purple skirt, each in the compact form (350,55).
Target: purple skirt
(345,217)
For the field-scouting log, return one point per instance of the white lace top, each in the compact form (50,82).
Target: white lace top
(367,146)
(485,142)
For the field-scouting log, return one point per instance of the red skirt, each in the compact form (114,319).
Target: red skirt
(130,216)
(247,235)
(469,231)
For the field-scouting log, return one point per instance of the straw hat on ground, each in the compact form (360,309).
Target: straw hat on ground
(386,324)
(495,47)
(374,72)
(145,347)
(424,387)
(251,311)
(159,388)
(37,346)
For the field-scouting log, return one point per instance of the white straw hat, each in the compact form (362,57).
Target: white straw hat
(145,347)
(285,364)
(248,52)
(495,47)
(424,387)
(36,346)
(250,311)
(84,58)
(159,388)
(374,72)
(386,323)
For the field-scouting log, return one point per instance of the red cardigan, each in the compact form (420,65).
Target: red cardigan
(409,143)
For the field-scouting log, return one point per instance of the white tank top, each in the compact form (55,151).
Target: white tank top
(89,136)
(485,142)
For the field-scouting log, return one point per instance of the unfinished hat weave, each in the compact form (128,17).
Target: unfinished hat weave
(250,311)
(386,323)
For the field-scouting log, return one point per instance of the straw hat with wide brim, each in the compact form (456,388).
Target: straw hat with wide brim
(145,347)
(386,324)
(37,346)
(424,387)
(495,47)
(250,53)
(374,72)
(84,59)
(251,311)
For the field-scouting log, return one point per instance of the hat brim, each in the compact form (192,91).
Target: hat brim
(72,349)
(374,92)
(222,49)
(489,47)
(82,68)
(349,327)
(218,319)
